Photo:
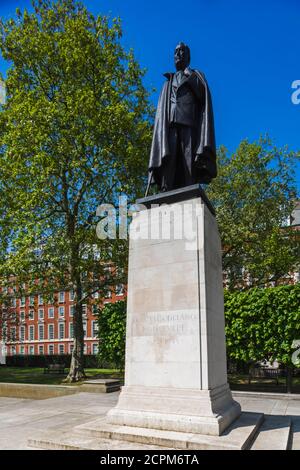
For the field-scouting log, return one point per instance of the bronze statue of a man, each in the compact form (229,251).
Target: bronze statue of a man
(183,148)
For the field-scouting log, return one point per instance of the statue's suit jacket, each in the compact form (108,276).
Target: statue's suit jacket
(205,154)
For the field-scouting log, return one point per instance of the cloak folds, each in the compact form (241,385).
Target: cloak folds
(205,154)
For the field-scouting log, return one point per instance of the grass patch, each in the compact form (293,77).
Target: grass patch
(35,375)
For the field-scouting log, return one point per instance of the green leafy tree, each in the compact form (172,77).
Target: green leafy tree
(74,134)
(254,195)
(112,333)
(263,324)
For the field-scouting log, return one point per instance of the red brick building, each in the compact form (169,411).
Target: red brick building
(46,328)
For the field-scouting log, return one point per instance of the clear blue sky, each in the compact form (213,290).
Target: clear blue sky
(248,50)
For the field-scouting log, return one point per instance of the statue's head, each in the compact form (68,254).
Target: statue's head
(182,56)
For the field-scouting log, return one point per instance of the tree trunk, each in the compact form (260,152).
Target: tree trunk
(76,372)
(289,379)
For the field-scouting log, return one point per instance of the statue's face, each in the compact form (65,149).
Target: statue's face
(181,57)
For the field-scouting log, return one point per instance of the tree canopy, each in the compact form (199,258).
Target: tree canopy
(112,333)
(74,133)
(254,195)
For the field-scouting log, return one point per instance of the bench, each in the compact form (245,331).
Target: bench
(265,373)
(56,368)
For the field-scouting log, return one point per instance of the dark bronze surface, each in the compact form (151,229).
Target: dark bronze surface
(183,149)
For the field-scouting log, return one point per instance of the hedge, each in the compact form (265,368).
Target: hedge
(90,361)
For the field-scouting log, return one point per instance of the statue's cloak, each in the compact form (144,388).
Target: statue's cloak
(205,154)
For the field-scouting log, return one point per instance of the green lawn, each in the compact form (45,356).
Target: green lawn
(35,375)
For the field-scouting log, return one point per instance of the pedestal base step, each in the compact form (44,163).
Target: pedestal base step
(76,441)
(101,385)
(274,433)
(237,437)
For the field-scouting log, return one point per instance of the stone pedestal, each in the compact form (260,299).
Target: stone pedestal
(175,375)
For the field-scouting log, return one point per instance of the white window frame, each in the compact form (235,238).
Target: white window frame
(41,328)
(41,349)
(61,346)
(94,330)
(22,333)
(119,290)
(51,326)
(61,308)
(50,347)
(53,312)
(41,317)
(31,315)
(40,299)
(61,297)
(61,326)
(13,333)
(31,333)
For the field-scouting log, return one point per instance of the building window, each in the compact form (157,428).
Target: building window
(95,348)
(22,301)
(61,349)
(84,309)
(84,348)
(31,300)
(94,329)
(51,299)
(71,347)
(41,314)
(22,350)
(51,331)
(72,308)
(61,297)
(41,349)
(41,332)
(51,349)
(72,295)
(31,350)
(22,333)
(119,290)
(96,295)
(71,330)
(108,294)
(84,329)
(61,331)
(22,315)
(13,335)
(61,311)
(13,350)
(95,309)
(40,299)
(31,333)
(14,302)
(51,312)
(31,315)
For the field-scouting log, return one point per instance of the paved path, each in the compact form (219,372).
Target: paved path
(21,418)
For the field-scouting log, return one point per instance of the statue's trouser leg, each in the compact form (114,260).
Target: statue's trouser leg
(186,142)
(170,163)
